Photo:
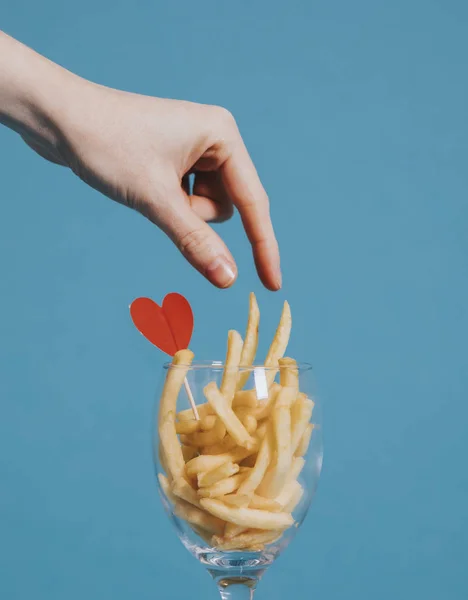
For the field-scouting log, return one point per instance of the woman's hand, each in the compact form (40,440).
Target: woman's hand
(139,151)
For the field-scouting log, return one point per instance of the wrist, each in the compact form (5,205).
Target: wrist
(33,92)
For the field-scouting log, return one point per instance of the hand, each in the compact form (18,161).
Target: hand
(140,150)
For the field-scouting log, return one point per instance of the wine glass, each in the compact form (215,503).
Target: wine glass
(237,571)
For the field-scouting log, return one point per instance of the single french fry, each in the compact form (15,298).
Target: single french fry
(263,409)
(295,497)
(303,446)
(247,517)
(199,518)
(296,467)
(215,475)
(245,398)
(231,530)
(279,343)
(254,478)
(189,452)
(234,427)
(208,422)
(284,497)
(235,499)
(172,450)
(206,536)
(301,414)
(203,463)
(247,419)
(187,414)
(174,381)
(231,366)
(183,490)
(289,373)
(225,445)
(261,430)
(249,349)
(184,427)
(207,438)
(264,503)
(276,477)
(249,540)
(166,488)
(222,487)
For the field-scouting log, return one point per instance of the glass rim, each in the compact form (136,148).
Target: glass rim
(219,365)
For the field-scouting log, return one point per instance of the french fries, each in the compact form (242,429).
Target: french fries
(250,539)
(211,477)
(233,425)
(305,441)
(234,474)
(231,367)
(247,517)
(251,341)
(279,343)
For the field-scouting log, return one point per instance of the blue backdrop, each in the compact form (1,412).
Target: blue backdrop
(355,113)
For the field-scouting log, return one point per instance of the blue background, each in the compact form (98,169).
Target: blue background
(355,114)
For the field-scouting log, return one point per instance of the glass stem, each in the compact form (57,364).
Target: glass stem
(237,588)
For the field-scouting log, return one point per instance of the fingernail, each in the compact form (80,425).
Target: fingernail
(221,272)
(279,279)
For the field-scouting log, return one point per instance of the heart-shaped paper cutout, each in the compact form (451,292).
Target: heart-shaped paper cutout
(169,327)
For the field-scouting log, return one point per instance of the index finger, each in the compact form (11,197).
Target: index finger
(248,194)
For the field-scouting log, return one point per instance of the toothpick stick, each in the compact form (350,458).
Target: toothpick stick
(191,399)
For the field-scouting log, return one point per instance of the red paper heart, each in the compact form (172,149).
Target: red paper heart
(169,327)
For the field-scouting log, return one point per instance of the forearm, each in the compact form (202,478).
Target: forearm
(32,91)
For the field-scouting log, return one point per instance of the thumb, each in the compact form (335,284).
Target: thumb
(196,240)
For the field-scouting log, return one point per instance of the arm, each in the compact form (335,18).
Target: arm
(139,150)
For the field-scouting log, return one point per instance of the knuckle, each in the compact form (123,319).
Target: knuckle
(193,242)
(224,117)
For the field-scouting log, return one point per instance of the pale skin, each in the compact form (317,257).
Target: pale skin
(139,151)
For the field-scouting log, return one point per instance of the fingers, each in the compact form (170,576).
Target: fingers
(247,193)
(200,245)
(209,199)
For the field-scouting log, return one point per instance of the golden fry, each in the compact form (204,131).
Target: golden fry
(276,478)
(222,487)
(207,438)
(231,366)
(279,343)
(172,451)
(289,373)
(295,497)
(263,409)
(247,398)
(235,499)
(174,380)
(256,475)
(249,349)
(199,518)
(183,490)
(234,427)
(264,503)
(247,517)
(206,462)
(187,414)
(301,414)
(231,530)
(251,539)
(303,446)
(208,422)
(166,488)
(211,477)
(225,445)
(190,426)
